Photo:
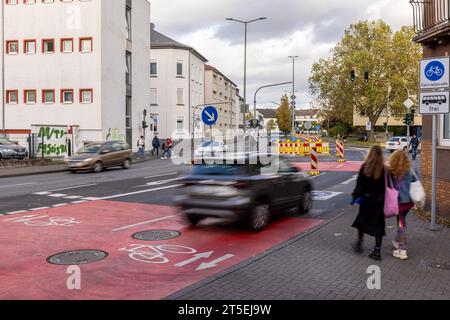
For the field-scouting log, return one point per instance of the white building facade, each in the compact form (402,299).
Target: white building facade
(77,64)
(177,86)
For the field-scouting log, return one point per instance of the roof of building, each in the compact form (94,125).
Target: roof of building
(214,69)
(307,112)
(268,113)
(161,41)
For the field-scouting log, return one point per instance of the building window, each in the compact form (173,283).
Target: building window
(67,45)
(153,69)
(86,96)
(180,125)
(155,124)
(445,133)
(12,96)
(128,68)
(67,96)
(29,96)
(29,46)
(48,46)
(180,96)
(179,68)
(154,97)
(128,22)
(48,96)
(86,45)
(128,112)
(12,47)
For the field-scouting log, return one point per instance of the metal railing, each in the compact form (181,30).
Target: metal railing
(430,14)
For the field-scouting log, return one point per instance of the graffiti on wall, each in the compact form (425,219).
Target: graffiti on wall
(115,135)
(51,140)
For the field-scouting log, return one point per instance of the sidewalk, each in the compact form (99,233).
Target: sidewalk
(321,265)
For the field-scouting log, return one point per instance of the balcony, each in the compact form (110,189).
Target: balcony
(431,20)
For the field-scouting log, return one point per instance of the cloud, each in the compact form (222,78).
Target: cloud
(307,28)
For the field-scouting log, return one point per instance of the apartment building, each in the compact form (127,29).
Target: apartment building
(432,25)
(177,86)
(220,91)
(79,64)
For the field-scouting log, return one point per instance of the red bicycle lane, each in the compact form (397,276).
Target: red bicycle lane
(134,269)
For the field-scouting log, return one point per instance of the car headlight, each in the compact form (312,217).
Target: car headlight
(9,150)
(87,160)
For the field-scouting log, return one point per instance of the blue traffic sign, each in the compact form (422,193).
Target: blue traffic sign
(318,127)
(434,71)
(210,116)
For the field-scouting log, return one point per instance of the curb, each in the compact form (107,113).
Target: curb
(239,266)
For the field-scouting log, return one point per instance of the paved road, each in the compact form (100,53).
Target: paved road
(60,212)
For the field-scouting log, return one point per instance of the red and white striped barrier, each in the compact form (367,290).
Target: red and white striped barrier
(340,151)
(314,161)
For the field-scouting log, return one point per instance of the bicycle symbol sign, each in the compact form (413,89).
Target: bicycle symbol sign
(434,71)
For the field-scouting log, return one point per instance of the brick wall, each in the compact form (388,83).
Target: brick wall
(442,185)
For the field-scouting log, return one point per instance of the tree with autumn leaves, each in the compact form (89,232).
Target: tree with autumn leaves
(284,116)
(385,65)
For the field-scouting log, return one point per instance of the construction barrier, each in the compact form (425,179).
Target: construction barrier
(302,149)
(314,161)
(340,151)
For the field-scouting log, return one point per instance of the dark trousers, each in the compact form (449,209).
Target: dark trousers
(157,151)
(378,240)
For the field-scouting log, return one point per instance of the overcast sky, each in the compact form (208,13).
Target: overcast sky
(306,28)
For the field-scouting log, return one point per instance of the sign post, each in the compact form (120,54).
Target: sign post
(434,100)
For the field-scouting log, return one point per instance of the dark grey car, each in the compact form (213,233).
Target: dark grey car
(10,150)
(248,192)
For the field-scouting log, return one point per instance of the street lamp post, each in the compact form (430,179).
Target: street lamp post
(245,61)
(293,93)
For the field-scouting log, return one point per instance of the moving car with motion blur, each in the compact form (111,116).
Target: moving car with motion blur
(96,156)
(210,148)
(246,190)
(10,150)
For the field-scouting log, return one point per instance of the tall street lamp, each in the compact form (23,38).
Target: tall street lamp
(293,97)
(245,60)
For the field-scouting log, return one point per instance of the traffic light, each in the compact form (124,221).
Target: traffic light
(144,124)
(353,75)
(366,77)
(385,125)
(409,119)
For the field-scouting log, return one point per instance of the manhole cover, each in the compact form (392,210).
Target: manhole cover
(77,257)
(156,235)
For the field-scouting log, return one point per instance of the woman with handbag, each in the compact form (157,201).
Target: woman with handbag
(370,194)
(400,168)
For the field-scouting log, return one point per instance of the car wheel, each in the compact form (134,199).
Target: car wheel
(260,217)
(98,167)
(126,164)
(194,219)
(305,204)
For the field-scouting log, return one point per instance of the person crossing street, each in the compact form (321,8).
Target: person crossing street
(414,145)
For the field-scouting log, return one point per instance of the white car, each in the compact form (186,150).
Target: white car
(210,148)
(397,143)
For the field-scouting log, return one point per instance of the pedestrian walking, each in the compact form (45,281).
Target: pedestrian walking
(369,194)
(166,151)
(170,147)
(400,168)
(414,145)
(156,143)
(141,146)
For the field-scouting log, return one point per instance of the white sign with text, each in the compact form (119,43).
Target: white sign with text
(434,102)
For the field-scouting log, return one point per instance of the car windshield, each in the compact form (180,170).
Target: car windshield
(394,139)
(210,144)
(90,149)
(5,142)
(219,170)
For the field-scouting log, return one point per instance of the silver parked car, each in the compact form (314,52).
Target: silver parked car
(10,150)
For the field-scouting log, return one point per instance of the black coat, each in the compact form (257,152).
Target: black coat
(370,219)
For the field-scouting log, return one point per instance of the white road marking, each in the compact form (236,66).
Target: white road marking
(76,187)
(142,223)
(15,212)
(158,183)
(139,192)
(73,197)
(91,199)
(43,193)
(77,202)
(18,185)
(324,195)
(57,195)
(60,205)
(162,175)
(37,209)
(350,180)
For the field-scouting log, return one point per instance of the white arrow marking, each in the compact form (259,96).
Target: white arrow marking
(196,257)
(210,116)
(214,263)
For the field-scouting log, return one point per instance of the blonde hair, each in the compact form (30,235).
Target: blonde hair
(399,164)
(374,164)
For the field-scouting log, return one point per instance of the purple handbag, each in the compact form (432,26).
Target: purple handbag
(391,206)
